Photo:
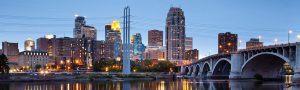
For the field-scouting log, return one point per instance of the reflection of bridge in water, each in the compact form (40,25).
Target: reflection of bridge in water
(179,84)
(266,61)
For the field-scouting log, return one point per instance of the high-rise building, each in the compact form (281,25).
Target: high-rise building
(188,43)
(29,44)
(227,42)
(46,44)
(113,41)
(138,47)
(175,35)
(192,55)
(79,23)
(253,43)
(11,50)
(155,38)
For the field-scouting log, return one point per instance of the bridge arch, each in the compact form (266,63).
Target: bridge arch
(222,68)
(205,69)
(186,70)
(197,70)
(265,64)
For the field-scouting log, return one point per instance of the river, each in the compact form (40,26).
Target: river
(179,84)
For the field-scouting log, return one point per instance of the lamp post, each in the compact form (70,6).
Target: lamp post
(240,41)
(298,37)
(289,32)
(275,41)
(259,38)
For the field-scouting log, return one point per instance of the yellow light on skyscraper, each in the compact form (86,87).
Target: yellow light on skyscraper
(115,25)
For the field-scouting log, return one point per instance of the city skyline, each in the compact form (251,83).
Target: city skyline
(203,26)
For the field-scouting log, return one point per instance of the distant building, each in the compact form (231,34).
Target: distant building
(227,42)
(11,50)
(188,43)
(1,52)
(192,55)
(175,35)
(138,47)
(155,53)
(253,43)
(88,32)
(32,58)
(99,50)
(81,51)
(155,38)
(79,23)
(29,44)
(113,41)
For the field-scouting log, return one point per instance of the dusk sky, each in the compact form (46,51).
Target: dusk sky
(20,19)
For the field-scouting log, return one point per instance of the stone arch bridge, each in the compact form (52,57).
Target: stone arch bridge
(267,61)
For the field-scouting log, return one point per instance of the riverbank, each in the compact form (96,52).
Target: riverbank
(81,77)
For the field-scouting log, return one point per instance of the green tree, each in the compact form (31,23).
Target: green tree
(4,68)
(147,65)
(164,66)
(37,67)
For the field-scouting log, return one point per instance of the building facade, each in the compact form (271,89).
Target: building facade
(113,41)
(29,59)
(89,32)
(192,55)
(254,43)
(81,51)
(155,38)
(29,44)
(175,35)
(138,47)
(79,23)
(188,43)
(155,53)
(11,50)
(227,42)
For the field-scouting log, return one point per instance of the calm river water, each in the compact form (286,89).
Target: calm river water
(179,84)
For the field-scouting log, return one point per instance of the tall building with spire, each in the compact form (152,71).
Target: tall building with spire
(175,35)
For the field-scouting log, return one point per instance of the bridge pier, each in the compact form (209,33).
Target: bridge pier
(209,74)
(236,64)
(296,77)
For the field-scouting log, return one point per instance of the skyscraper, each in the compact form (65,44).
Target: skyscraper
(113,41)
(29,44)
(79,22)
(253,43)
(138,46)
(227,42)
(175,34)
(155,38)
(188,43)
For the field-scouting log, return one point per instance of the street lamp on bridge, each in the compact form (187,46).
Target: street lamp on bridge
(298,37)
(275,41)
(289,33)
